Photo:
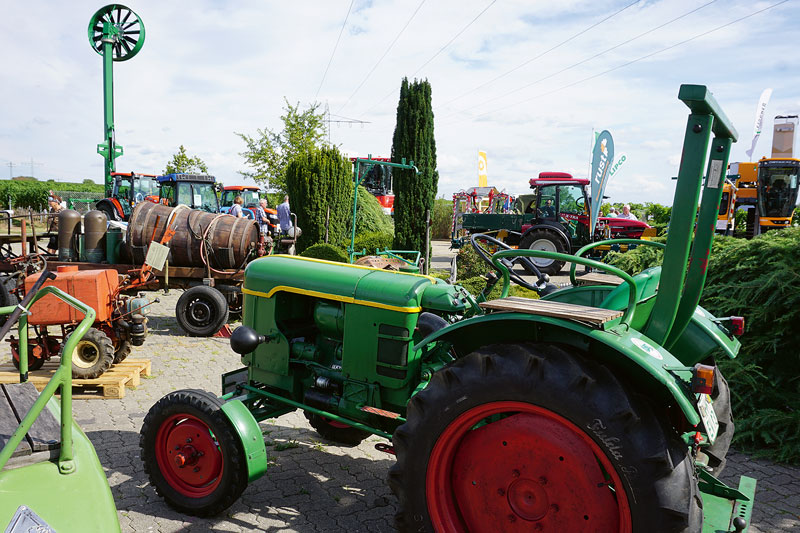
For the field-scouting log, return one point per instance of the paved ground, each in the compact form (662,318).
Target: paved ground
(312,485)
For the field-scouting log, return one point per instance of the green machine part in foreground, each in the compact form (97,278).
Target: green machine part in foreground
(49,472)
(599,406)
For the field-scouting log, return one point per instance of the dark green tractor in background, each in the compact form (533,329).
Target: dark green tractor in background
(594,408)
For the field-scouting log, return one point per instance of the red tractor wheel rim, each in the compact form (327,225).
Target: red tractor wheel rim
(188,456)
(527,470)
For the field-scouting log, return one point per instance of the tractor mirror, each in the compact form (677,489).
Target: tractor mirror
(244,340)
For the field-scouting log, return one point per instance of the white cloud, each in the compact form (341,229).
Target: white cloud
(209,69)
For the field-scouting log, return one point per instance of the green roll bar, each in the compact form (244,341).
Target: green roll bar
(62,378)
(627,315)
(609,242)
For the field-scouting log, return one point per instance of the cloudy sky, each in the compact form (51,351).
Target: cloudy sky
(527,81)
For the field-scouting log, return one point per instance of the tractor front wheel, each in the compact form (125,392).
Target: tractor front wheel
(536,437)
(201,311)
(191,453)
(92,356)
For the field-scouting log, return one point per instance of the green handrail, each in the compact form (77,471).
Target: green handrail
(627,315)
(609,242)
(62,378)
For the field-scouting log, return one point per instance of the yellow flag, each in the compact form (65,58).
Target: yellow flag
(483,178)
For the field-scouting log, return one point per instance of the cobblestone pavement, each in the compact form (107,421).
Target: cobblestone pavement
(311,484)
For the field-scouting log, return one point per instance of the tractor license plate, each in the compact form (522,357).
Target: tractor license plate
(709,417)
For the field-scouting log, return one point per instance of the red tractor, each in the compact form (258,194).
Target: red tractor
(129,189)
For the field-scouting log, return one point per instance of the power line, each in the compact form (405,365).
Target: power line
(383,56)
(334,48)
(442,49)
(531,60)
(586,60)
(646,56)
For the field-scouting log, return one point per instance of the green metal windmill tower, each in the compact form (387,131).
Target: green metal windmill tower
(117,34)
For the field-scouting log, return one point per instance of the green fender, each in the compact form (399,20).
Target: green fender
(250,434)
(630,352)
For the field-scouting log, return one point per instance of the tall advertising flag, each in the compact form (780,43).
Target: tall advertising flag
(483,177)
(602,158)
(760,110)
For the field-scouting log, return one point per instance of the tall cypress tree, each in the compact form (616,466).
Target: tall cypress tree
(414,140)
(317,180)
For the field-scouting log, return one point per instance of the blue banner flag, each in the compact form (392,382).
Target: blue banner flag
(602,158)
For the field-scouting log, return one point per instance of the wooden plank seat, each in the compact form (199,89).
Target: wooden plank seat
(45,434)
(598,278)
(580,313)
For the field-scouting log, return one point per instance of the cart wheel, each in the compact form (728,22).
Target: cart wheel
(192,454)
(122,351)
(126,31)
(34,363)
(532,437)
(92,356)
(201,311)
(7,298)
(336,431)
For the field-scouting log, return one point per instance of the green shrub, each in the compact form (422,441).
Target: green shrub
(441,219)
(638,259)
(370,217)
(320,186)
(756,279)
(328,252)
(373,241)
(469,264)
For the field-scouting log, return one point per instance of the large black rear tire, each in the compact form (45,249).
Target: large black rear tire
(548,241)
(526,427)
(201,311)
(191,453)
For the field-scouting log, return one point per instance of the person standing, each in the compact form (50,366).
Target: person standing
(612,212)
(285,219)
(261,217)
(55,208)
(236,209)
(626,213)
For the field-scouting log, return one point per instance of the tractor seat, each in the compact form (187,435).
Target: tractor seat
(580,313)
(16,399)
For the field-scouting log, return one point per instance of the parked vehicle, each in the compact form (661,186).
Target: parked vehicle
(554,218)
(128,189)
(594,408)
(198,191)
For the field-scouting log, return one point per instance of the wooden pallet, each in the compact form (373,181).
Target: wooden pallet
(111,385)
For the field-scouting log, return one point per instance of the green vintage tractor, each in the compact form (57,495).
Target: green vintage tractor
(594,408)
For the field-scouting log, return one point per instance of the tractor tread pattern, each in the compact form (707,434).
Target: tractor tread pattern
(207,407)
(663,493)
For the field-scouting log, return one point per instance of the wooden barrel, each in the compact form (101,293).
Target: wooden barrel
(223,240)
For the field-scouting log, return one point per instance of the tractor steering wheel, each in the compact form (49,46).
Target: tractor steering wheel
(541,287)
